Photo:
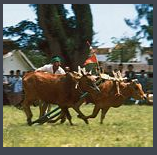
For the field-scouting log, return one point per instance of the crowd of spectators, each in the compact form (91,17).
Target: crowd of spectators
(144,78)
(12,87)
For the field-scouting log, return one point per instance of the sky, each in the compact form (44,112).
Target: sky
(108,20)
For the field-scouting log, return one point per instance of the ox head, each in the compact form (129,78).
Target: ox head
(136,89)
(87,83)
(84,82)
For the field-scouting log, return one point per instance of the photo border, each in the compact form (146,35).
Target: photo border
(75,151)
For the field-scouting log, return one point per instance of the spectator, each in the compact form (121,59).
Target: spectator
(115,70)
(17,88)
(109,71)
(143,80)
(101,70)
(11,76)
(130,74)
(23,73)
(5,80)
(11,80)
(101,67)
(5,84)
(120,68)
(18,82)
(67,69)
(150,83)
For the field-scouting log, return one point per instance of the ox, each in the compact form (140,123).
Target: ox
(64,90)
(107,97)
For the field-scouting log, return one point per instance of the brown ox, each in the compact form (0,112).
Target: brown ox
(107,97)
(59,89)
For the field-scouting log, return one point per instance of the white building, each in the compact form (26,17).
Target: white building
(140,61)
(16,60)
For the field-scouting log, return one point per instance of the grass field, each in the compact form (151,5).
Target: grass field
(126,126)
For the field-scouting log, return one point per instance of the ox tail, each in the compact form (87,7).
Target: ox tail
(19,105)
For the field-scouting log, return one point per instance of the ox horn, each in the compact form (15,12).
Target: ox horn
(76,86)
(84,70)
(79,70)
(90,72)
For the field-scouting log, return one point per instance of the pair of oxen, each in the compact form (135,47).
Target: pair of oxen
(72,90)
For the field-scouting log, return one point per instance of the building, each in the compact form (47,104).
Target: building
(142,61)
(14,59)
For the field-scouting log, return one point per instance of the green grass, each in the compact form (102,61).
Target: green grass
(126,126)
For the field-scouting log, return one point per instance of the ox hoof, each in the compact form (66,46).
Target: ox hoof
(63,120)
(29,123)
(86,121)
(71,124)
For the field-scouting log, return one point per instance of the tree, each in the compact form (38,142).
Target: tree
(27,34)
(66,36)
(124,50)
(144,30)
(57,34)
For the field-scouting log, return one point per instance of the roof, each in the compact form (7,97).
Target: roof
(103,50)
(26,59)
(147,50)
(8,45)
(22,55)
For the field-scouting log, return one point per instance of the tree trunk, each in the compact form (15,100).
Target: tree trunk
(44,22)
(72,46)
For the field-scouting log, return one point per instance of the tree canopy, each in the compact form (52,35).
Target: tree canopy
(56,33)
(144,30)
(124,50)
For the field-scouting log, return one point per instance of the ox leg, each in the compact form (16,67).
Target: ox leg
(81,115)
(48,109)
(103,113)
(69,116)
(95,112)
(27,110)
(42,108)
(63,119)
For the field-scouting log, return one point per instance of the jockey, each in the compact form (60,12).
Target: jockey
(53,67)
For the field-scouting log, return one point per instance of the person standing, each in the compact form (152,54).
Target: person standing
(109,71)
(5,84)
(17,89)
(11,80)
(120,68)
(143,80)
(130,74)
